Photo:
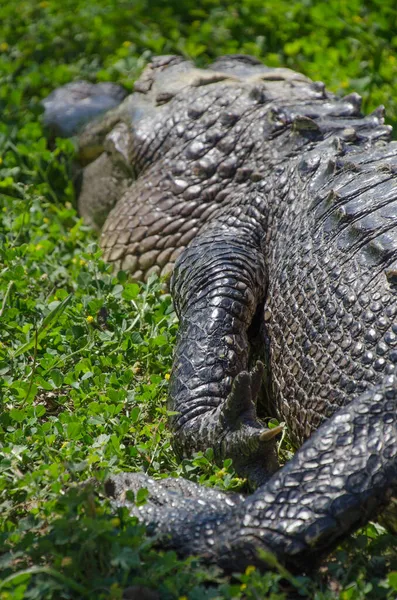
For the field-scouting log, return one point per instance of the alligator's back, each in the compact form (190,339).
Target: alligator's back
(332,298)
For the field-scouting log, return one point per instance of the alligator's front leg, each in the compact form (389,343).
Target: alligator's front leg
(218,284)
(341,477)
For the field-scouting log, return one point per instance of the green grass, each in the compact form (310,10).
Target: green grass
(84,353)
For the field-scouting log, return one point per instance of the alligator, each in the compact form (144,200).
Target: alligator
(273,202)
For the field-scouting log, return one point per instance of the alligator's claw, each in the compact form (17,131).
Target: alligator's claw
(269,434)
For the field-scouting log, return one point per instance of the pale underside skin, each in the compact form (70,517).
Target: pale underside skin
(278,202)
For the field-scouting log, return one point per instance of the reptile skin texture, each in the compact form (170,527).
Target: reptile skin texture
(274,203)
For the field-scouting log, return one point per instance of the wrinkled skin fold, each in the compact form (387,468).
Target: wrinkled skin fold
(274,203)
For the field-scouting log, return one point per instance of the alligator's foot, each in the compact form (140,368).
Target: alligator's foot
(180,514)
(250,444)
(187,518)
(196,520)
(232,429)
(166,492)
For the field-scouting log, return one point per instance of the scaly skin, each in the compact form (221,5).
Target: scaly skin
(285,198)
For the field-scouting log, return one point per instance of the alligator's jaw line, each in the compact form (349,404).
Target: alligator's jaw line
(255,181)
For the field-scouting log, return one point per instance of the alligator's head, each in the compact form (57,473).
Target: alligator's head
(130,137)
